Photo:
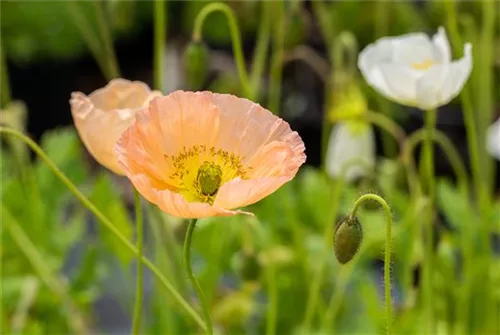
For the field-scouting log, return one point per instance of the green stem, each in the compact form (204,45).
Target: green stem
(272,294)
(136,323)
(485,84)
(235,38)
(5,96)
(468,112)
(446,145)
(388,243)
(105,221)
(277,58)
(326,26)
(187,264)
(109,52)
(88,35)
(46,274)
(430,125)
(261,48)
(160,43)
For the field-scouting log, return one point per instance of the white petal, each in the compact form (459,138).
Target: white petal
(401,83)
(493,140)
(413,48)
(442,46)
(441,83)
(347,147)
(380,51)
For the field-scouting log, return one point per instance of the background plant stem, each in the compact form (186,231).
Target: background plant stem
(235,39)
(187,264)
(277,56)
(5,87)
(136,323)
(430,117)
(105,221)
(160,31)
(261,47)
(388,244)
(108,55)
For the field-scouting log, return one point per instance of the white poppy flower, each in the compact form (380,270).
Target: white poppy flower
(350,143)
(415,70)
(493,140)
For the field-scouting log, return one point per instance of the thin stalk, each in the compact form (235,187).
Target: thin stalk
(47,275)
(261,48)
(5,95)
(430,125)
(388,243)
(272,294)
(382,13)
(136,323)
(446,145)
(326,25)
(468,112)
(235,38)
(277,57)
(485,101)
(160,43)
(187,264)
(104,220)
(105,31)
(88,35)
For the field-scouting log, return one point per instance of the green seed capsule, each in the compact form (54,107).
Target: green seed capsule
(196,59)
(348,237)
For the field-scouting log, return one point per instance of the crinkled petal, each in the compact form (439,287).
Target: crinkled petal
(175,204)
(441,83)
(100,130)
(442,46)
(400,82)
(186,119)
(239,192)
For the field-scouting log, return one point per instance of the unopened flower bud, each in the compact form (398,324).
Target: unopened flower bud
(196,58)
(348,237)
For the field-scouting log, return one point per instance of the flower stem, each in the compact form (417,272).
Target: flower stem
(187,264)
(388,244)
(109,52)
(104,220)
(272,293)
(235,38)
(277,57)
(446,145)
(430,124)
(139,284)
(261,48)
(160,44)
(5,96)
(47,275)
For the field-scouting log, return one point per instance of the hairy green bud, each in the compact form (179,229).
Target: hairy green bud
(347,239)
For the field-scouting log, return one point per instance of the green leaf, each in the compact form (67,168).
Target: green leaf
(105,197)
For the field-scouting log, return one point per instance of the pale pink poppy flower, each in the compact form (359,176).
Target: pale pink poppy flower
(204,154)
(103,116)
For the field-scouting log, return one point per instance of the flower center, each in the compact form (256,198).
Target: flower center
(424,65)
(209,178)
(200,171)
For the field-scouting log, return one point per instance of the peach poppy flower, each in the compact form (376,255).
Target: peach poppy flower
(204,154)
(103,116)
